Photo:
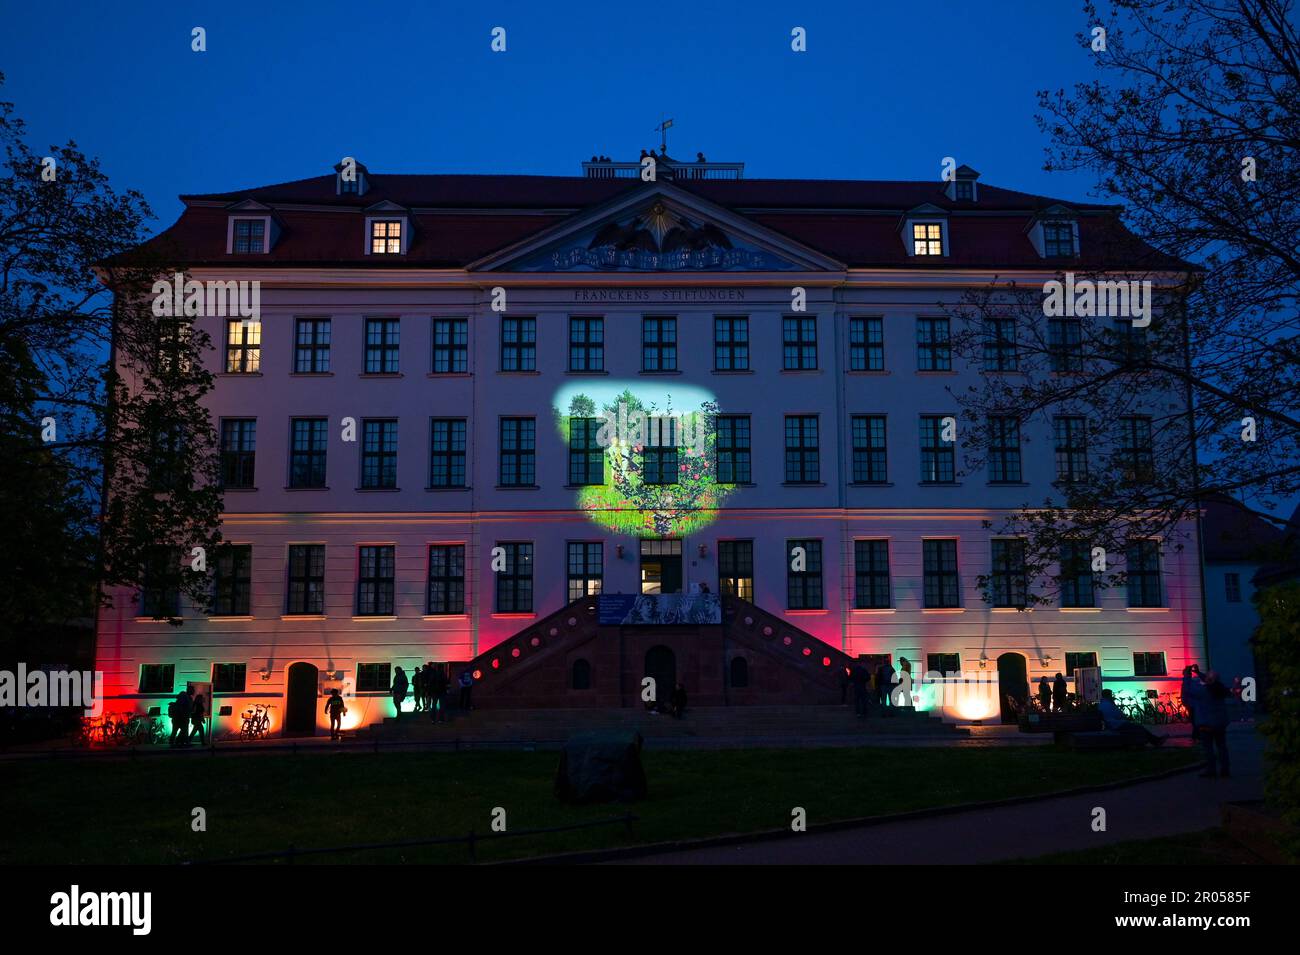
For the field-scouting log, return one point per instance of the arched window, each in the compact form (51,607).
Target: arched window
(581,676)
(739,672)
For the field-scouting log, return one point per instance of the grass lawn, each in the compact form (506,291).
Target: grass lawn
(120,811)
(1211,847)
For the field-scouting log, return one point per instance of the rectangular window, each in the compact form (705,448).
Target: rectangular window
(306,591)
(869,454)
(386,237)
(518,344)
(586,344)
(1065,345)
(311,346)
(866,344)
(1232,588)
(927,238)
(799,344)
(309,438)
(374,678)
(731,344)
(804,586)
(446,593)
(232,581)
(1058,239)
(733,449)
(160,591)
(1004,450)
(586,568)
(943,663)
(659,459)
(1070,434)
(586,457)
(1000,350)
(1009,580)
(375,581)
(1136,457)
(238,452)
(938,457)
(250,236)
(450,346)
(243,347)
(229,677)
(933,345)
(871,575)
(1076,575)
(518,452)
(515,580)
(378,453)
(1079,660)
(659,344)
(802,461)
(157,677)
(1130,341)
(1149,664)
(964,191)
(175,341)
(166,463)
(1143,569)
(939,569)
(447,452)
(736,569)
(382,346)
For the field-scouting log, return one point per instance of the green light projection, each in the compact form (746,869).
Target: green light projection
(677,427)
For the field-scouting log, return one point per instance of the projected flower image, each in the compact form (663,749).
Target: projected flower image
(644,463)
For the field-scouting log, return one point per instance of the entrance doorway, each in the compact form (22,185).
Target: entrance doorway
(661,567)
(300,699)
(661,666)
(1013,685)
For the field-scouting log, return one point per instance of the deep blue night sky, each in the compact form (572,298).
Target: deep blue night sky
(286,89)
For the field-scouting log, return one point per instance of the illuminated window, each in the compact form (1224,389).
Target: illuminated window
(311,346)
(383,346)
(871,574)
(799,344)
(250,236)
(446,579)
(736,569)
(586,568)
(938,457)
(447,452)
(866,344)
(450,346)
(869,449)
(515,579)
(238,452)
(375,574)
(385,236)
(933,345)
(1077,588)
(1004,450)
(157,677)
(586,456)
(731,344)
(232,581)
(379,453)
(927,238)
(939,569)
(586,344)
(518,464)
(243,347)
(804,585)
(306,591)
(1009,580)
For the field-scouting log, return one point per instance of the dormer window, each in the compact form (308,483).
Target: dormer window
(1058,239)
(964,190)
(385,236)
(927,238)
(250,235)
(350,178)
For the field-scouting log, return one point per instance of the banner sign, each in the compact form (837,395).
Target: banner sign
(657,609)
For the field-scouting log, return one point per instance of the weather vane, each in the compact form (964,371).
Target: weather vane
(662,130)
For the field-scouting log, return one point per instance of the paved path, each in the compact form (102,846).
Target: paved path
(1178,804)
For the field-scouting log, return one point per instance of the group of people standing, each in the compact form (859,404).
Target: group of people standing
(1052,696)
(1206,701)
(878,688)
(188,713)
(429,686)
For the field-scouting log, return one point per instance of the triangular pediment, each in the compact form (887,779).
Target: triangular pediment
(657,228)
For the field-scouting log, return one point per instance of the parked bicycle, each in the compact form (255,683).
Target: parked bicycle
(257,722)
